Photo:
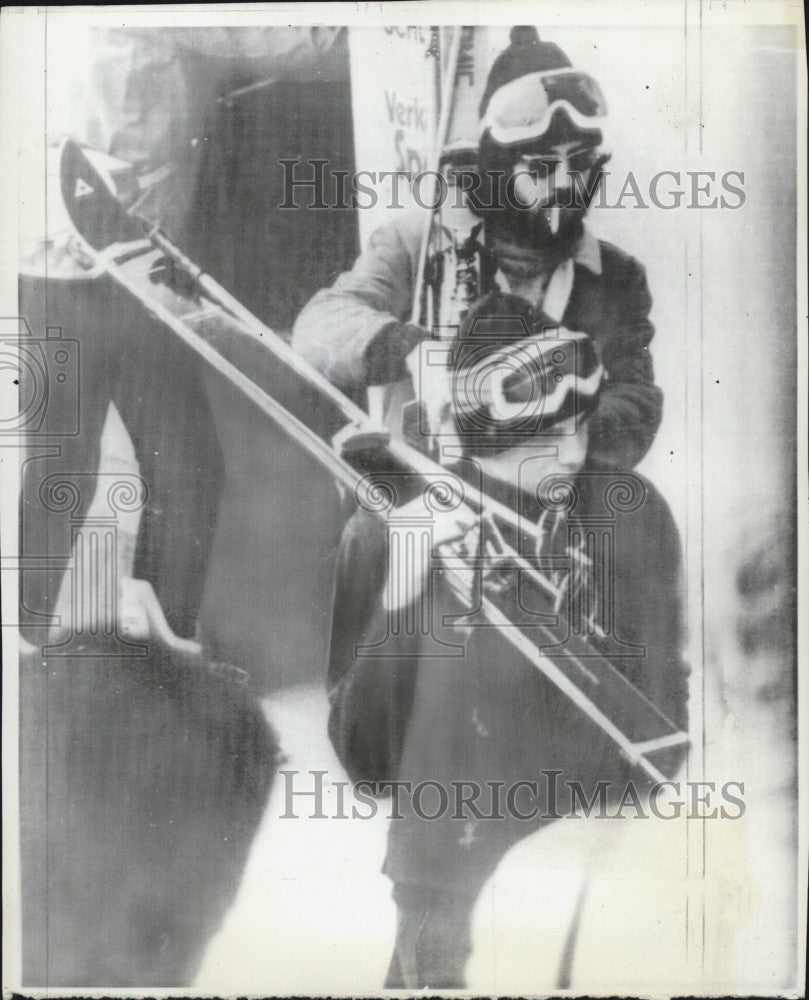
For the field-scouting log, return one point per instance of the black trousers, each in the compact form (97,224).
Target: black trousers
(400,710)
(111,351)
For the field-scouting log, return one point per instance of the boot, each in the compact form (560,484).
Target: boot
(433,939)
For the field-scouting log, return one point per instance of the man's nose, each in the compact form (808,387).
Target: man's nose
(542,191)
(561,179)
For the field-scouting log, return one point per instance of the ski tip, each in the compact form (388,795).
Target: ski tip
(90,199)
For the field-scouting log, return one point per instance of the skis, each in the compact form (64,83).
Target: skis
(310,411)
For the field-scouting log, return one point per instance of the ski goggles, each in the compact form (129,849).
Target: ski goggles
(523,109)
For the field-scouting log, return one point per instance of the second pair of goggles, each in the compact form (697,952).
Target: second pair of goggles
(523,108)
(532,384)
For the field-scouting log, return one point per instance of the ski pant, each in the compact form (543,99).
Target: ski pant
(484,716)
(110,351)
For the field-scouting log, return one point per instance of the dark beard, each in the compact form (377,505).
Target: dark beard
(531,230)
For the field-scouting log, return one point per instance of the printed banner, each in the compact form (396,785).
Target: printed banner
(394,77)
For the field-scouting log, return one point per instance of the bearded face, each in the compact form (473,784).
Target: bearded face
(541,189)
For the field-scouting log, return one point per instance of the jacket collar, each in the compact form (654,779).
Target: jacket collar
(559,287)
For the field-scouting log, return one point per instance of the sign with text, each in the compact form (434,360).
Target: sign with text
(394,80)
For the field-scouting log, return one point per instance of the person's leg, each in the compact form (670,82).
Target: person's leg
(371,700)
(433,938)
(475,729)
(162,399)
(63,441)
(636,587)
(370,695)
(491,717)
(645,588)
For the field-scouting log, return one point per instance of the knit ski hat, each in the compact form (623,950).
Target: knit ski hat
(529,85)
(526,54)
(513,379)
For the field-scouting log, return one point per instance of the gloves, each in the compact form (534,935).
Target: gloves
(432,383)
(385,355)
